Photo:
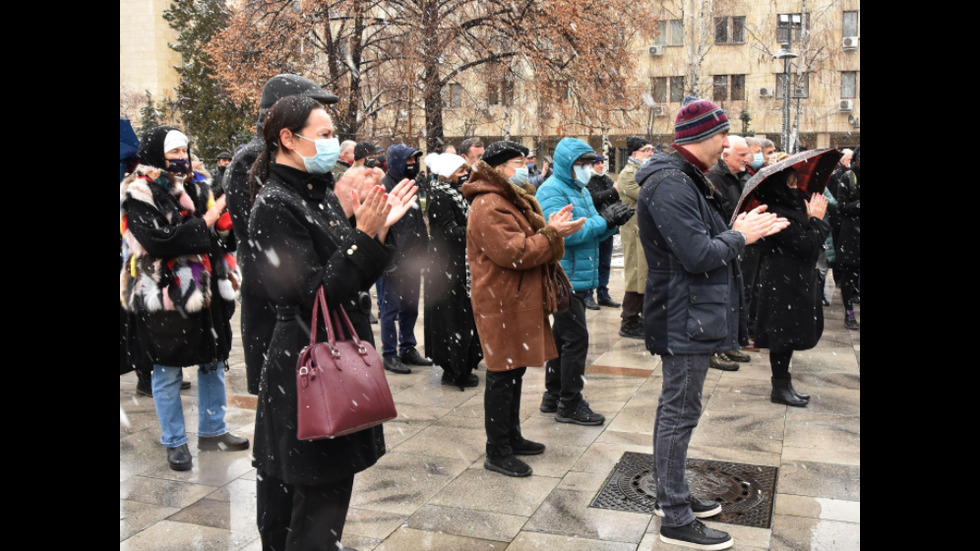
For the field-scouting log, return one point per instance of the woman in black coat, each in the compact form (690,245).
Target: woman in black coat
(790,314)
(301,231)
(451,339)
(848,243)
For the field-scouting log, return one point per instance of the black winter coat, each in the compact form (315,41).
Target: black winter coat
(451,339)
(165,229)
(728,185)
(693,302)
(790,309)
(303,240)
(258,316)
(847,244)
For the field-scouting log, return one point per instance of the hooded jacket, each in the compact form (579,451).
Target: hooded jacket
(581,261)
(411,239)
(693,302)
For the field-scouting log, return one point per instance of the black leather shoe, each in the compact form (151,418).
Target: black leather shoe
(374,320)
(414,358)
(696,535)
(508,465)
(590,303)
(527,447)
(609,302)
(470,382)
(781,394)
(549,404)
(632,333)
(144,391)
(396,366)
(179,458)
(227,442)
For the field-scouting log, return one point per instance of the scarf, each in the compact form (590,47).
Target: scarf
(451,191)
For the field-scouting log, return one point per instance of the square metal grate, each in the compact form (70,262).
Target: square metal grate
(745,492)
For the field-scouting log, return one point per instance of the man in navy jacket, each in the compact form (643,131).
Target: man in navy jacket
(692,302)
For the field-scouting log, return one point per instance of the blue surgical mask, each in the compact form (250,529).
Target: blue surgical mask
(757,160)
(327,153)
(582,174)
(520,177)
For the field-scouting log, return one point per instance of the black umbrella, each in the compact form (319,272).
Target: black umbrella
(813,167)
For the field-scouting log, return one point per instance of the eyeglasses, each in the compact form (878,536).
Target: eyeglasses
(522,162)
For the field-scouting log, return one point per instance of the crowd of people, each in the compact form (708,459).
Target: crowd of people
(296,210)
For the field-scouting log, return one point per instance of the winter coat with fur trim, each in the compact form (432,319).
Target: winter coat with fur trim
(179,276)
(509,246)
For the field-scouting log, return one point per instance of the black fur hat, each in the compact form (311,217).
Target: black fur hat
(500,152)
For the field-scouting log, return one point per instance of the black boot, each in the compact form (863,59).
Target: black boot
(797,393)
(781,394)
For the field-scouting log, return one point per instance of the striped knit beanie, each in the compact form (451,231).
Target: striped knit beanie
(698,120)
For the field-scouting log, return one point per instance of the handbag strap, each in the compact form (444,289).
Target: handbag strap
(334,327)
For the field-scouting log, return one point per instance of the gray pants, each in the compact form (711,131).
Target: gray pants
(678,412)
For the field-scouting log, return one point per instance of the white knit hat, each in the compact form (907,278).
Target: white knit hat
(174,139)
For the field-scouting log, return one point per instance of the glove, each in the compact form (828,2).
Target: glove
(617,214)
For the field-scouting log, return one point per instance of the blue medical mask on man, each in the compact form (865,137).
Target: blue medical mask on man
(582,174)
(757,160)
(520,176)
(327,153)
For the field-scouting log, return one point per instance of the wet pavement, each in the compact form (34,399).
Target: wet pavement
(431,492)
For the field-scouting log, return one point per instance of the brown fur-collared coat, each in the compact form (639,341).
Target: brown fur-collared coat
(509,246)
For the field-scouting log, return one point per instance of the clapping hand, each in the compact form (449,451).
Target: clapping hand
(816,207)
(562,221)
(757,224)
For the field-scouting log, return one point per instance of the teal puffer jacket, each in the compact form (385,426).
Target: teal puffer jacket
(581,260)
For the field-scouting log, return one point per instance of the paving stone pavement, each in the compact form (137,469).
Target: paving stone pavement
(431,492)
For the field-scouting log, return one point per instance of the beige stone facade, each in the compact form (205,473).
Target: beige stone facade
(146,62)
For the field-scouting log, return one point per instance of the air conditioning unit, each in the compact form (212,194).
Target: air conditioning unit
(846,105)
(656,50)
(850,42)
(799,93)
(765,92)
(659,110)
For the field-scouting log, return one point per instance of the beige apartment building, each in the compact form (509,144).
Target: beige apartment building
(726,53)
(724,50)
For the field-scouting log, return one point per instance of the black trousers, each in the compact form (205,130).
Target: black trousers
(749,265)
(301,518)
(563,376)
(502,410)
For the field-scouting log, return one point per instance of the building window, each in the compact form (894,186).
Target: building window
(850,26)
(730,30)
(455,95)
(848,84)
(671,33)
(789,26)
(729,87)
(501,93)
(677,89)
(658,89)
(799,89)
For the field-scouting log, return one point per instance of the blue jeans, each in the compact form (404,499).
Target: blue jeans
(678,411)
(399,302)
(210,402)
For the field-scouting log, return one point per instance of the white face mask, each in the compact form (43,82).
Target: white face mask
(520,177)
(327,152)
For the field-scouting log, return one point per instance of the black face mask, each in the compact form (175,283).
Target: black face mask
(411,171)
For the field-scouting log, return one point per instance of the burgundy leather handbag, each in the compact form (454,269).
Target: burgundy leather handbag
(341,386)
